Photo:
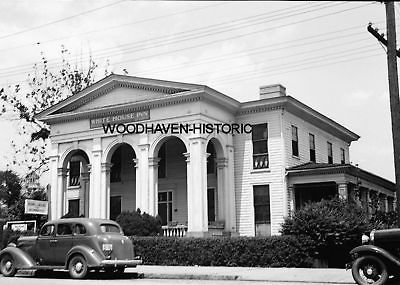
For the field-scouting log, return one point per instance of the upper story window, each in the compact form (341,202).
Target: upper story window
(342,156)
(312,147)
(330,153)
(260,146)
(295,141)
(116,168)
(74,173)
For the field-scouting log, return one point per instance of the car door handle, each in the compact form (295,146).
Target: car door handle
(53,241)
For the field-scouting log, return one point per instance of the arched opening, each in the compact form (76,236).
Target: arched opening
(212,184)
(122,180)
(172,182)
(76,185)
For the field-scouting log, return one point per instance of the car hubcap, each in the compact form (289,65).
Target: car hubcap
(8,265)
(78,267)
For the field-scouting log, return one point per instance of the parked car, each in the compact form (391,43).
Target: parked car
(377,258)
(76,244)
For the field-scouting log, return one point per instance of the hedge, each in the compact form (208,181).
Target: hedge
(276,251)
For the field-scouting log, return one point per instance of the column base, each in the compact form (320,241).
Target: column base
(198,234)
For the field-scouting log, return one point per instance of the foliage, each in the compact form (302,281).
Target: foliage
(383,220)
(335,226)
(10,236)
(276,251)
(138,224)
(10,188)
(45,87)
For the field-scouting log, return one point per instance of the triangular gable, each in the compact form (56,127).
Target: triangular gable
(116,90)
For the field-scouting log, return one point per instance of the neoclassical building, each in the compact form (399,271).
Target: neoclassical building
(204,162)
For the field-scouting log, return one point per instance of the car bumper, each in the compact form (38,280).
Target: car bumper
(121,263)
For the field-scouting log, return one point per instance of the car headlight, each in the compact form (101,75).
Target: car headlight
(372,236)
(364,239)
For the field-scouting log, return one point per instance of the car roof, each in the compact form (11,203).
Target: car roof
(82,221)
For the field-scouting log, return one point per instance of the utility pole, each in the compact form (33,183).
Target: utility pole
(392,54)
(394,95)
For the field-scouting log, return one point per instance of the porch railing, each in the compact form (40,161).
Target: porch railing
(174,231)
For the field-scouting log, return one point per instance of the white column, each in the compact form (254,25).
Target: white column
(342,191)
(61,189)
(105,190)
(137,183)
(52,196)
(292,199)
(95,203)
(230,195)
(142,179)
(222,164)
(86,187)
(153,186)
(197,188)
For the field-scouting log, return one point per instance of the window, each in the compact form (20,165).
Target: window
(162,164)
(260,146)
(116,160)
(79,229)
(312,147)
(210,159)
(47,230)
(342,156)
(165,207)
(211,204)
(330,153)
(261,204)
(74,173)
(115,207)
(295,141)
(73,208)
(64,229)
(109,228)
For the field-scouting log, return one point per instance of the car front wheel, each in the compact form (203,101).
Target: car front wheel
(369,270)
(77,267)
(7,266)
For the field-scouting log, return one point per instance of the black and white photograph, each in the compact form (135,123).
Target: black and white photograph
(199,142)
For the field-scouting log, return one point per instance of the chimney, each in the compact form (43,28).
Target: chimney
(271,91)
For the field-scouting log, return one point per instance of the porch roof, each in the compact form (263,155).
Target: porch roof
(311,168)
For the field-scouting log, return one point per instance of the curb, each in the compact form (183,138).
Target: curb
(188,276)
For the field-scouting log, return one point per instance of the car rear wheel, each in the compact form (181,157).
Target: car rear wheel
(77,267)
(369,270)
(7,266)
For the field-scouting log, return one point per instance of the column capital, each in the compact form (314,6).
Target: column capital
(222,162)
(153,161)
(106,167)
(135,162)
(61,171)
(187,155)
(144,147)
(85,176)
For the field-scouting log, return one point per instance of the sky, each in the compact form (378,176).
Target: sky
(320,51)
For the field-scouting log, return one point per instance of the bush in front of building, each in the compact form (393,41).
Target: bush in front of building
(138,224)
(335,227)
(383,220)
(10,236)
(277,251)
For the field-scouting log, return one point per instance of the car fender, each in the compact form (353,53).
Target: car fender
(21,258)
(92,258)
(375,250)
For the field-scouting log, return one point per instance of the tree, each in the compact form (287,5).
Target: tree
(10,188)
(46,87)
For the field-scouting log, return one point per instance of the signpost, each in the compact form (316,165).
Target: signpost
(36,207)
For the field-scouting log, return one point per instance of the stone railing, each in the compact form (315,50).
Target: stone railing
(174,231)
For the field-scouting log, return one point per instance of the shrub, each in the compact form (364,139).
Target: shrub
(335,226)
(10,236)
(137,224)
(277,251)
(382,220)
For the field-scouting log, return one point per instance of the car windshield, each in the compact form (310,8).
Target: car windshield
(109,228)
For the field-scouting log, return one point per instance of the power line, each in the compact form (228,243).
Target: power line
(60,20)
(163,40)
(114,27)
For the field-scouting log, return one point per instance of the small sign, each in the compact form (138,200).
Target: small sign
(36,207)
(122,117)
(19,227)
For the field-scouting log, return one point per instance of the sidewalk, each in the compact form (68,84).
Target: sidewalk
(306,275)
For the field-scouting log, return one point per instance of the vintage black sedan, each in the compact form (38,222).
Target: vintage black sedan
(377,258)
(77,245)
